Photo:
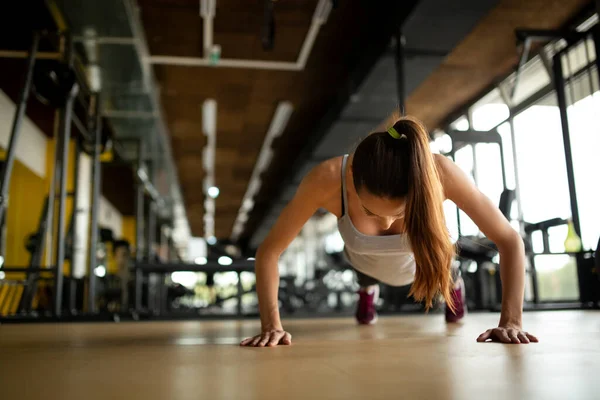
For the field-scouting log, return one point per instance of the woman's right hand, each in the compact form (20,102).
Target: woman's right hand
(269,338)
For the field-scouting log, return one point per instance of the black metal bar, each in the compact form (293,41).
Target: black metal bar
(564,120)
(164,295)
(95,205)
(139,230)
(502,164)
(62,199)
(240,292)
(51,229)
(211,266)
(16,128)
(81,128)
(546,241)
(30,269)
(400,71)
(65,120)
(452,155)
(74,236)
(151,231)
(36,259)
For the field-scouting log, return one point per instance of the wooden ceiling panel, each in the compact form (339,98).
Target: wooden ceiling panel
(170,40)
(247,98)
(486,55)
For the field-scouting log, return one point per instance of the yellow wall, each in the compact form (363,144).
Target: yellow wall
(129,230)
(26,198)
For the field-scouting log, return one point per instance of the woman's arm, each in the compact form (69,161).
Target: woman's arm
(494,225)
(312,194)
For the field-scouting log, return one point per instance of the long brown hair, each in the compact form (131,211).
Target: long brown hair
(404,168)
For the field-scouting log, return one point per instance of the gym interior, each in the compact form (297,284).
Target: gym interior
(149,146)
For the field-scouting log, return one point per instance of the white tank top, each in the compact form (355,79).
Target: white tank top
(388,259)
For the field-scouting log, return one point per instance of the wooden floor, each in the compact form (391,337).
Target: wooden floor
(413,357)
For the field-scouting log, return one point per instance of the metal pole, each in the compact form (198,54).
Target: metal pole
(72,286)
(502,166)
(240,293)
(474,156)
(564,120)
(151,231)
(16,127)
(62,197)
(400,71)
(51,229)
(96,180)
(139,230)
(65,120)
(516,169)
(452,155)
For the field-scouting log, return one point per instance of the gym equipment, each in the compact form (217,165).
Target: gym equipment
(53,82)
(88,147)
(16,127)
(483,286)
(154,275)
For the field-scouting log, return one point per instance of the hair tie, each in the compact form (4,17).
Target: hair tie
(394,133)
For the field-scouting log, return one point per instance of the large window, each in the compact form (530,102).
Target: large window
(584,127)
(545,194)
(541,160)
(489,111)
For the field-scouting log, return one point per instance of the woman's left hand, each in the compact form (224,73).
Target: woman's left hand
(507,334)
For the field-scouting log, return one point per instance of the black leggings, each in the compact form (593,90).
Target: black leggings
(365,280)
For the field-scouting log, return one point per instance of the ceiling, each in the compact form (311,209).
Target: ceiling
(454,51)
(354,36)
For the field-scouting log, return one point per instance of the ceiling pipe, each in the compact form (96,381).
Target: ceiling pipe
(319,18)
(208,10)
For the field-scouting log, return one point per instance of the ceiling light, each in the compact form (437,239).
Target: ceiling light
(211,240)
(248,205)
(200,260)
(322,11)
(209,117)
(213,192)
(100,271)
(251,258)
(185,278)
(280,119)
(224,260)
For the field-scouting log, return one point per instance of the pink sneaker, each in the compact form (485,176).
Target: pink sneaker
(460,302)
(365,312)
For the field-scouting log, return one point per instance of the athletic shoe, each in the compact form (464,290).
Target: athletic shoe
(366,314)
(460,302)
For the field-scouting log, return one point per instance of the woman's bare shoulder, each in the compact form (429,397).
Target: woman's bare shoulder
(325,179)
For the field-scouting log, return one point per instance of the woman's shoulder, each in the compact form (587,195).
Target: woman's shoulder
(325,178)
